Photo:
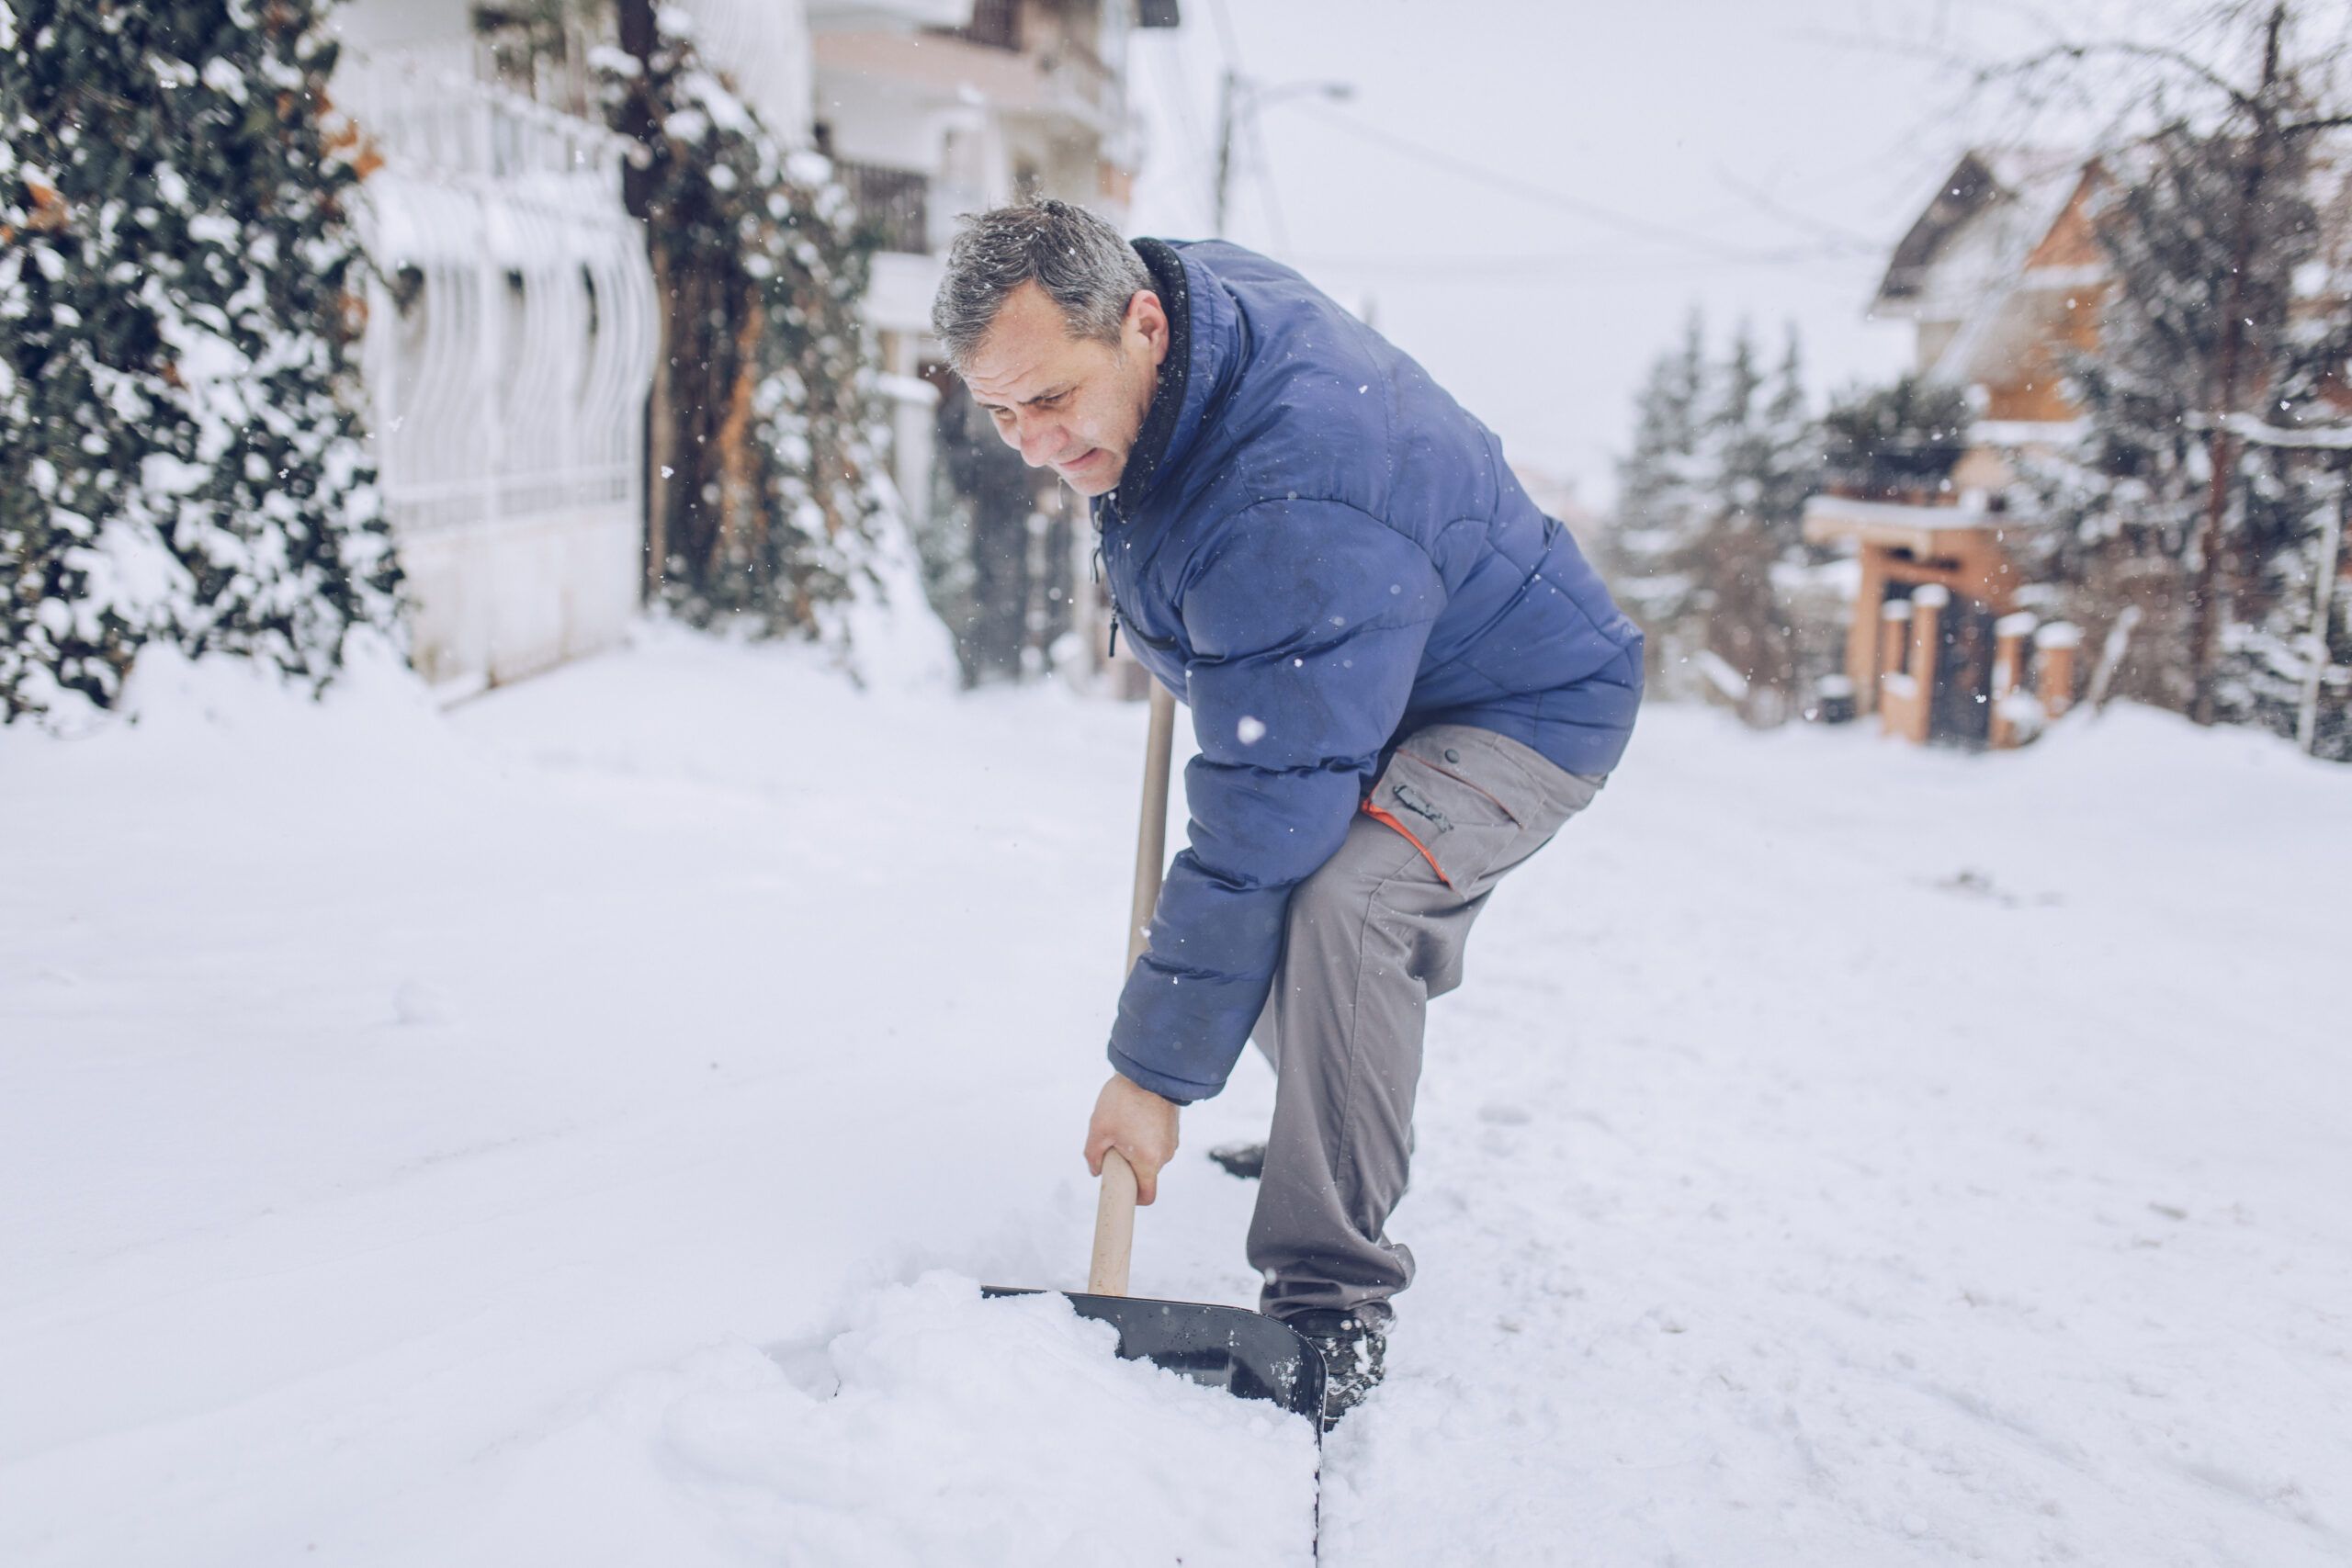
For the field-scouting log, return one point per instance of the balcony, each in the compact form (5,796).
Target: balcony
(895,203)
(1064,83)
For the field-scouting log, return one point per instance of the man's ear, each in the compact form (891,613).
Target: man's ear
(1148,317)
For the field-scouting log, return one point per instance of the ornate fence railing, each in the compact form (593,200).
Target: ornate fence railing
(896,202)
(511,329)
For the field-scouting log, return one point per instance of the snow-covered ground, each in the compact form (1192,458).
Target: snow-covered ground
(568,1132)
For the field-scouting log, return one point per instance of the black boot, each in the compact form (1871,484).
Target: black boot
(1354,1347)
(1247,1161)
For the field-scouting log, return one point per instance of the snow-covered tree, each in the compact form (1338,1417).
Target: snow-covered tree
(2198,495)
(179,460)
(1664,505)
(980,547)
(2193,495)
(1711,502)
(770,503)
(1899,442)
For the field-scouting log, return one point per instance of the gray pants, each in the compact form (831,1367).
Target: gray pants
(1371,937)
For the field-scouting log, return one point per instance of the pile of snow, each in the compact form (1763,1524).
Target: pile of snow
(939,1429)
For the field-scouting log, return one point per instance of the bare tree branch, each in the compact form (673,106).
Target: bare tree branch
(2082,53)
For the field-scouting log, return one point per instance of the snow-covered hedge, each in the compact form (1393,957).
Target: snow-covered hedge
(179,460)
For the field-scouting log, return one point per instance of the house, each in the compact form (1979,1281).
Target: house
(2001,278)
(931,108)
(512,330)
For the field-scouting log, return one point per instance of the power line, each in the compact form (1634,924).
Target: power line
(1593,261)
(1527,190)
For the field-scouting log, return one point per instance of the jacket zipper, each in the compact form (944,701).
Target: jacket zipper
(1099,571)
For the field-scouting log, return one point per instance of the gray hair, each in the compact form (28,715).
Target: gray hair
(1084,264)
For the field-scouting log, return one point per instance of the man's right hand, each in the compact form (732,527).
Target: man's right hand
(1138,1124)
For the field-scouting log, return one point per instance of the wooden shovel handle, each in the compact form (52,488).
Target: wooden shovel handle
(1114,1227)
(1151,829)
(1114,1205)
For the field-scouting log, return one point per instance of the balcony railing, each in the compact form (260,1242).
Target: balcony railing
(995,24)
(895,202)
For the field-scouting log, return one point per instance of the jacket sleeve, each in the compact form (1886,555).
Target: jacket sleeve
(1307,621)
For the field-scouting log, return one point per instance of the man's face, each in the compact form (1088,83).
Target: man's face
(1075,405)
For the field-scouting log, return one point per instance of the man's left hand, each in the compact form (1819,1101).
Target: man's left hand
(1139,1124)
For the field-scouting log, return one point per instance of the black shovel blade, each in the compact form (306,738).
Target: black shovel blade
(1245,1353)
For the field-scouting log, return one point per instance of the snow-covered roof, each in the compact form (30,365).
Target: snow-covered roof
(1977,230)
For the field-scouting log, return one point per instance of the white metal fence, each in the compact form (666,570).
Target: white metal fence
(512,334)
(510,343)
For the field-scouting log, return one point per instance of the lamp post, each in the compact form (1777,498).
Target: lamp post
(1237,95)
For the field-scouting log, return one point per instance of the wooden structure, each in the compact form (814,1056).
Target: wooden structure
(1936,647)
(2002,279)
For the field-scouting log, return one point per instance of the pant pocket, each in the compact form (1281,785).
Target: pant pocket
(1461,828)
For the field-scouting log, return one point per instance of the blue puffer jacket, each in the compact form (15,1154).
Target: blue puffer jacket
(1321,552)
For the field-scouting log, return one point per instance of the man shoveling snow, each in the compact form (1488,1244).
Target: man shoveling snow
(1404,678)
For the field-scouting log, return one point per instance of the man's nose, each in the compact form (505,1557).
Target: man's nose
(1041,440)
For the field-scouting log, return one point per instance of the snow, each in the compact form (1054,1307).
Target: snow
(568,1130)
(1720,674)
(2059,634)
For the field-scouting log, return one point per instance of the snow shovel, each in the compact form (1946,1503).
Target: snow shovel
(1243,1352)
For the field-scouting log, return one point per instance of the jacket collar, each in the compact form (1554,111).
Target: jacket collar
(1202,349)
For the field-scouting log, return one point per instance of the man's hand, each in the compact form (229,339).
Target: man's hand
(1140,1125)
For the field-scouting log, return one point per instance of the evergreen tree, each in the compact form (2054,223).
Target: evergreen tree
(980,544)
(179,459)
(2143,516)
(1663,505)
(1790,443)
(1760,482)
(1899,442)
(2211,360)
(1711,506)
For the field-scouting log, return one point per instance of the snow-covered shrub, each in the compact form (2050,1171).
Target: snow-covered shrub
(771,508)
(179,460)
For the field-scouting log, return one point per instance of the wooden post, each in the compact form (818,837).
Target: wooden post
(2009,635)
(2054,646)
(1887,677)
(1863,632)
(1927,602)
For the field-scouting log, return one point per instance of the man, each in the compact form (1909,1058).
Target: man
(1403,676)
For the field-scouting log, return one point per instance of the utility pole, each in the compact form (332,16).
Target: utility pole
(1229,88)
(2218,572)
(1237,95)
(2323,618)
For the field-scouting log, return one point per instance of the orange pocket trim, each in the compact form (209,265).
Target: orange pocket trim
(1380,815)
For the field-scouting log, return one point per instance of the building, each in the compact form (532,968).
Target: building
(513,335)
(931,108)
(2001,278)
(512,330)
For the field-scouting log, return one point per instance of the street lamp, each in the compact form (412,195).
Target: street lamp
(1238,92)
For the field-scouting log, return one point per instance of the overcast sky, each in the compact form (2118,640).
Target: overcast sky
(1531,195)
